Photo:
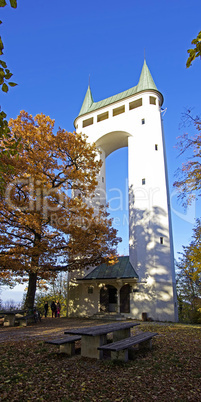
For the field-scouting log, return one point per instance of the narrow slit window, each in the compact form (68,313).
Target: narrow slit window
(143,181)
(156,147)
(143,121)
(118,110)
(152,100)
(134,104)
(102,116)
(102,179)
(161,240)
(87,122)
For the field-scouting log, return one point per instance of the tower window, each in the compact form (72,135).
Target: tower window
(90,290)
(143,121)
(161,240)
(118,110)
(134,104)
(156,147)
(102,116)
(143,181)
(152,100)
(87,122)
(102,179)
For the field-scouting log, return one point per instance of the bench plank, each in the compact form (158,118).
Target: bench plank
(66,345)
(119,350)
(127,342)
(62,341)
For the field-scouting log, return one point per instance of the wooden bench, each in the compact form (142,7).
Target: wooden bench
(119,349)
(24,320)
(67,344)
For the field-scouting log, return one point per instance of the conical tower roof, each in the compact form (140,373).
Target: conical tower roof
(88,101)
(146,81)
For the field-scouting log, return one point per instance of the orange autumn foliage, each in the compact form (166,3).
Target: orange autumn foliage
(43,228)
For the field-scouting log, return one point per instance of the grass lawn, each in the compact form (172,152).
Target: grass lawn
(34,371)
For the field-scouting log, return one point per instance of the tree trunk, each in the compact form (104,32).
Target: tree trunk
(30,296)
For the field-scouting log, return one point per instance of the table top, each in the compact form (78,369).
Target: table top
(101,329)
(12,312)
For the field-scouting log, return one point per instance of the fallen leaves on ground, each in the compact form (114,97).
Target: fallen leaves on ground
(34,371)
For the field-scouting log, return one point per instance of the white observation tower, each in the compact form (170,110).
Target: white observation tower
(132,119)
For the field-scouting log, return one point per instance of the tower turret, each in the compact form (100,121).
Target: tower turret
(88,101)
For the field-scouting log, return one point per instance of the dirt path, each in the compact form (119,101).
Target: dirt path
(47,328)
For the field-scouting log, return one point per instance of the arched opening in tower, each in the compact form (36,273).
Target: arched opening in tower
(117,195)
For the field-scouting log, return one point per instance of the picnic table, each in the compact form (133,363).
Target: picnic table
(96,336)
(9,316)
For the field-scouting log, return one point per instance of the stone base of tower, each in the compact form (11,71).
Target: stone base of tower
(157,301)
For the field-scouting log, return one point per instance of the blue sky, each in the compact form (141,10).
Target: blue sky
(52,47)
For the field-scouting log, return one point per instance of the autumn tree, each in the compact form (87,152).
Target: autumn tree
(191,256)
(43,228)
(188,181)
(56,290)
(188,184)
(189,278)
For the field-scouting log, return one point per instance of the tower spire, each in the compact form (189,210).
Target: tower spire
(146,81)
(88,100)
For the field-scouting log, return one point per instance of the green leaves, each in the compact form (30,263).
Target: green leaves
(3,3)
(12,84)
(196,52)
(4,129)
(1,46)
(13,3)
(3,64)
(4,87)
(5,75)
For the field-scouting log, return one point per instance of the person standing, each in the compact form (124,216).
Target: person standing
(46,308)
(54,309)
(58,308)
